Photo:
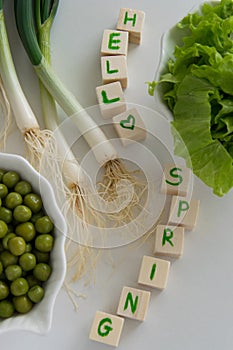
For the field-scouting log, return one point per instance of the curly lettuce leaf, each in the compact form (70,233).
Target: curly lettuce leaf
(220,75)
(199,92)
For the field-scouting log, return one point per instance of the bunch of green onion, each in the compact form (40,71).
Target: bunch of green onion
(34,19)
(73,182)
(36,139)
(103,150)
(41,144)
(82,204)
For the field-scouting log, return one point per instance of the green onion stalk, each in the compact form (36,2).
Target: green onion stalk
(6,117)
(73,183)
(114,169)
(36,139)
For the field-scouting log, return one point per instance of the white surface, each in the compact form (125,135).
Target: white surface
(196,310)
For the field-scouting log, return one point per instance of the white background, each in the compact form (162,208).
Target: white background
(196,309)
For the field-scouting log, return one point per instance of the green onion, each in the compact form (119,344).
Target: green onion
(100,145)
(102,148)
(76,180)
(6,116)
(24,115)
(74,188)
(35,138)
(45,12)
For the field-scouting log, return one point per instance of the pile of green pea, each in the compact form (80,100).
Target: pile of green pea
(26,241)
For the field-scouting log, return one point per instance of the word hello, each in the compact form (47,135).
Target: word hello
(169,243)
(110,96)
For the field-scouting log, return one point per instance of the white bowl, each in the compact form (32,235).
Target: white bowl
(169,40)
(39,319)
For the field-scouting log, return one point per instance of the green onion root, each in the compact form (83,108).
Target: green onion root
(116,172)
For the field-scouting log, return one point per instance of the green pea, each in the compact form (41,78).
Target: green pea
(13,272)
(22,213)
(6,215)
(36,293)
(42,272)
(17,245)
(22,304)
(44,243)
(2,172)
(6,309)
(3,228)
(19,286)
(41,257)
(7,258)
(27,261)
(4,290)
(33,201)
(26,230)
(28,248)
(10,178)
(44,224)
(24,257)
(6,239)
(32,281)
(13,199)
(36,216)
(23,187)
(3,190)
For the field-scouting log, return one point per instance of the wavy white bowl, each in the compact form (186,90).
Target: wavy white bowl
(169,40)
(39,319)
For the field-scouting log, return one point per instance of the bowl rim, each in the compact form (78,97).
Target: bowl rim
(43,318)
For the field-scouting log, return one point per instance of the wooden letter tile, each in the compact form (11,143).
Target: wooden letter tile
(111,99)
(169,241)
(129,126)
(133,303)
(114,42)
(184,212)
(106,328)
(133,22)
(114,68)
(154,272)
(175,180)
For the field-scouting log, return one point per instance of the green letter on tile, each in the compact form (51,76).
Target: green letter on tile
(133,19)
(167,236)
(152,273)
(183,206)
(103,329)
(133,303)
(109,70)
(112,42)
(106,100)
(173,173)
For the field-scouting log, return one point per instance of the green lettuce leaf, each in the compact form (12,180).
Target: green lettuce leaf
(209,159)
(199,92)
